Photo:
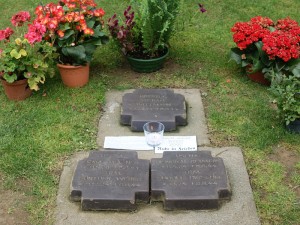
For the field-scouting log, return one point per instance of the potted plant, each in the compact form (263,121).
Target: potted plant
(144,36)
(74,27)
(283,68)
(263,45)
(287,93)
(273,49)
(24,62)
(248,53)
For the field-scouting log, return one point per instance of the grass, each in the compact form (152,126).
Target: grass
(39,133)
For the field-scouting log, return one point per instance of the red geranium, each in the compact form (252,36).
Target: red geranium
(6,33)
(21,17)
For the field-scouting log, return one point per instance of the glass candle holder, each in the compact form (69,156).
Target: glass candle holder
(154,132)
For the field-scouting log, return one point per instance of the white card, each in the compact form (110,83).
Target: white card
(170,143)
(177,143)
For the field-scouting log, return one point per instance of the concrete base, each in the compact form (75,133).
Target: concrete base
(239,211)
(109,124)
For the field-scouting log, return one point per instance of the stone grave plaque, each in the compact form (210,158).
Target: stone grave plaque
(111,180)
(189,181)
(162,105)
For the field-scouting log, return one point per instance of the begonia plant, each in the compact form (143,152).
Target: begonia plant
(74,27)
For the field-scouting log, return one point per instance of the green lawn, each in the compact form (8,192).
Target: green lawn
(38,134)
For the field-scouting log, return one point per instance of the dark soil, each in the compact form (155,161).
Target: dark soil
(12,204)
(288,158)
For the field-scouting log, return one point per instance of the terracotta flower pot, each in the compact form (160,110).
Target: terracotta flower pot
(74,76)
(18,90)
(258,77)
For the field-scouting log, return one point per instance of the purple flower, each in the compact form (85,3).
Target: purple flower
(201,8)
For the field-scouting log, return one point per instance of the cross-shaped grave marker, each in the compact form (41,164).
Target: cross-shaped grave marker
(189,181)
(111,180)
(162,105)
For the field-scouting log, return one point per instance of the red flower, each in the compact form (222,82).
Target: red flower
(6,33)
(21,17)
(281,44)
(35,32)
(286,24)
(262,21)
(49,15)
(246,33)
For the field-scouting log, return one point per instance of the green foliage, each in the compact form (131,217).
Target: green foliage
(20,60)
(285,85)
(39,134)
(156,23)
(147,28)
(77,49)
(253,58)
(287,92)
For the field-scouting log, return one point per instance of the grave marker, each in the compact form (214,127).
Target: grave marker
(189,181)
(162,105)
(111,180)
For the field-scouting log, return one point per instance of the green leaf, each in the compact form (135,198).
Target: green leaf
(98,32)
(90,23)
(77,53)
(235,54)
(262,54)
(294,67)
(257,65)
(23,52)
(280,65)
(15,54)
(10,78)
(67,35)
(64,27)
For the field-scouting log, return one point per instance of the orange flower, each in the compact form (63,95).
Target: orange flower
(69,17)
(83,24)
(38,10)
(60,33)
(88,31)
(99,12)
(77,16)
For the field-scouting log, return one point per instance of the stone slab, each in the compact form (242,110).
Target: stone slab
(189,181)
(109,123)
(239,211)
(161,105)
(111,180)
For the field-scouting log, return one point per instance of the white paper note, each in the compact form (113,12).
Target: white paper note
(170,143)
(177,143)
(127,143)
